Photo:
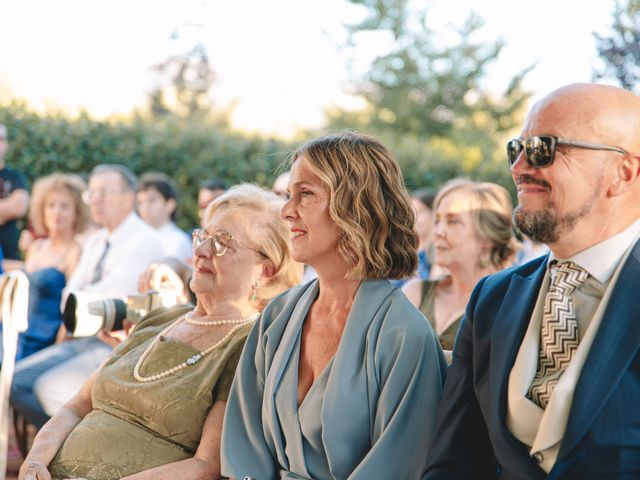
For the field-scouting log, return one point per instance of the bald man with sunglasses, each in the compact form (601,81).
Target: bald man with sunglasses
(545,378)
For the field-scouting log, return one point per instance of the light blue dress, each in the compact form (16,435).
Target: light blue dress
(369,415)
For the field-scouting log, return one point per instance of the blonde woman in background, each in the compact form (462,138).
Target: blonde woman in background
(57,210)
(472,238)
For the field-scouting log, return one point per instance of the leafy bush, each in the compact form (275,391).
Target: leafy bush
(192,151)
(188,151)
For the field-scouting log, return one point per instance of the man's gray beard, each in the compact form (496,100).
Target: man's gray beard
(540,226)
(544,226)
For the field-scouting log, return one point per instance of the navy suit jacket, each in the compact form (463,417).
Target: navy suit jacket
(602,437)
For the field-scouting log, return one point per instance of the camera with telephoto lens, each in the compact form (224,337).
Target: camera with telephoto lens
(85,314)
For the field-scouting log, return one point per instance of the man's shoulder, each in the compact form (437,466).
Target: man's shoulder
(175,242)
(134,230)
(94,238)
(141,240)
(10,172)
(172,231)
(500,280)
(16,177)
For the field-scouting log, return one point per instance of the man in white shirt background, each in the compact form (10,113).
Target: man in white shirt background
(157,202)
(112,259)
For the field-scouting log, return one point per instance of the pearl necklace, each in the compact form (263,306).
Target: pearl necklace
(214,323)
(191,360)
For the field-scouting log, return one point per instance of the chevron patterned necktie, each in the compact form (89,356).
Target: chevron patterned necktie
(559,336)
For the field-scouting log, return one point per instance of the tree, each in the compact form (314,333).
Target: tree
(434,95)
(620,52)
(186,78)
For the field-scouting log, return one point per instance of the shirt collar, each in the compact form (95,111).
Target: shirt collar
(123,231)
(601,259)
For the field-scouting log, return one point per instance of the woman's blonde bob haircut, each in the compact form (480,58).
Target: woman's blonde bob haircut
(270,236)
(368,201)
(491,209)
(58,182)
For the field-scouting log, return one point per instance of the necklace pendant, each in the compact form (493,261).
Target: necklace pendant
(193,360)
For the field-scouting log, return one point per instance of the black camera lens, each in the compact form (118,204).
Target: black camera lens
(113,312)
(69,317)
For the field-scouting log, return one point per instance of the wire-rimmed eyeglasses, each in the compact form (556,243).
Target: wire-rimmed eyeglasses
(220,241)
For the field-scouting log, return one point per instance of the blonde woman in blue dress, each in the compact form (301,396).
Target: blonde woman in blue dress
(341,377)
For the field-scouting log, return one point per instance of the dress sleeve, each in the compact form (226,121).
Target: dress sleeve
(244,450)
(411,369)
(223,385)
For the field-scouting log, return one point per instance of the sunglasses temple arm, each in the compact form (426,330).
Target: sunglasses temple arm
(590,146)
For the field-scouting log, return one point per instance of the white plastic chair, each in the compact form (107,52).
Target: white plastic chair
(14,296)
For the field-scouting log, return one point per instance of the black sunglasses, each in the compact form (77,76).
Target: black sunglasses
(540,150)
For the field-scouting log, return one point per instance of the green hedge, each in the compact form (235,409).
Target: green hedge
(187,151)
(193,151)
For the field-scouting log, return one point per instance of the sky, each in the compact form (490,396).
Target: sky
(279,63)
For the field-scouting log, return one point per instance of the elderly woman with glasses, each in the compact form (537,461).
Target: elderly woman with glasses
(340,377)
(154,409)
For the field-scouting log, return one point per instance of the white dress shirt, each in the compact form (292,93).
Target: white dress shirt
(134,245)
(543,430)
(175,242)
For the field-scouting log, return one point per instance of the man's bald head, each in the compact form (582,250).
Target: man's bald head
(584,195)
(600,113)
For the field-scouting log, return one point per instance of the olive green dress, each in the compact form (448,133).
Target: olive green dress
(427,307)
(135,426)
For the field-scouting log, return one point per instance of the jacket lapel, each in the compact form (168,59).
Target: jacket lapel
(280,403)
(511,323)
(614,348)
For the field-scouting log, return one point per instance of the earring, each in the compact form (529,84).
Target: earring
(483,263)
(254,290)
